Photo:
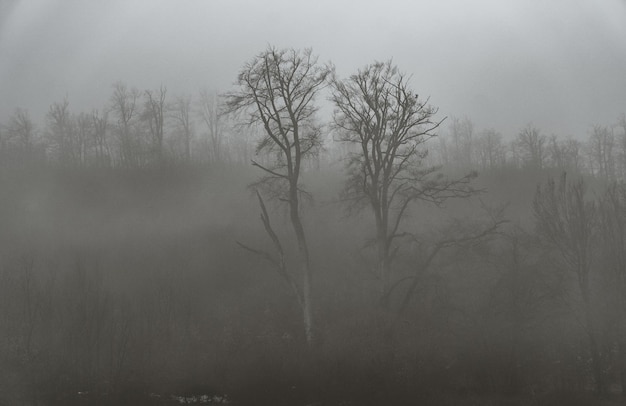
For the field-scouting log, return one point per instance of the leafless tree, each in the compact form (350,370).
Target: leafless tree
(601,155)
(530,144)
(462,138)
(181,113)
(458,234)
(209,111)
(612,210)
(490,149)
(277,89)
(154,114)
(565,154)
(124,107)
(17,139)
(567,220)
(377,111)
(100,126)
(63,137)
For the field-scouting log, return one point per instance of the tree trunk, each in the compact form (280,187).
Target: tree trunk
(305,265)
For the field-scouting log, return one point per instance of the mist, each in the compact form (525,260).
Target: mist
(502,64)
(284,203)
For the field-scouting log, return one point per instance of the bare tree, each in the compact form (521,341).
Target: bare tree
(124,107)
(490,149)
(63,137)
(612,214)
(601,156)
(377,111)
(100,125)
(531,146)
(154,114)
(461,234)
(277,89)
(208,109)
(84,136)
(18,137)
(566,220)
(565,154)
(462,135)
(181,112)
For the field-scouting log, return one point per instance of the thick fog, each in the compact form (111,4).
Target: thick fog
(331,203)
(558,64)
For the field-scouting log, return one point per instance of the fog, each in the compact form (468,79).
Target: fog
(329,203)
(559,64)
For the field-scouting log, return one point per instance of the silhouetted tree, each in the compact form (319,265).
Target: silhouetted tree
(277,89)
(377,111)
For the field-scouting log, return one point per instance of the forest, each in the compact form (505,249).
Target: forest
(241,247)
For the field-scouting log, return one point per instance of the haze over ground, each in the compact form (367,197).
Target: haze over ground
(559,64)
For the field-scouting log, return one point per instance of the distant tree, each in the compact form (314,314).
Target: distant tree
(376,110)
(100,125)
(181,113)
(209,111)
(64,140)
(123,105)
(490,149)
(565,154)
(154,113)
(277,89)
(620,145)
(84,137)
(19,132)
(612,214)
(566,220)
(530,144)
(600,148)
(461,131)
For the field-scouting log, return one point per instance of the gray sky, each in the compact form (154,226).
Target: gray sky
(559,63)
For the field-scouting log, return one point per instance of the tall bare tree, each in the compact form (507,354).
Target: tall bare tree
(376,110)
(277,89)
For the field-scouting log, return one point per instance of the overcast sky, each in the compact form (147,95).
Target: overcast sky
(560,64)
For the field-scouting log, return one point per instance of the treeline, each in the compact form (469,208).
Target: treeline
(602,153)
(381,269)
(133,129)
